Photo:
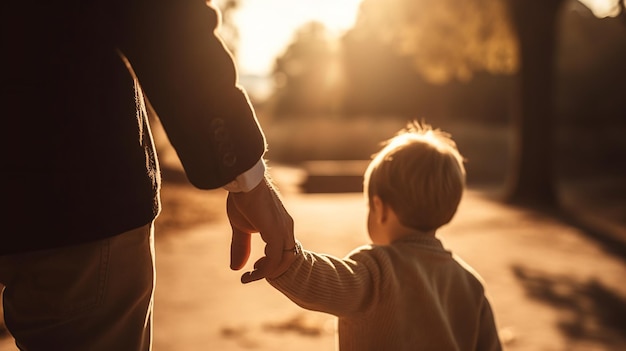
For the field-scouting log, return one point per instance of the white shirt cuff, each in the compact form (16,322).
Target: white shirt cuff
(247,180)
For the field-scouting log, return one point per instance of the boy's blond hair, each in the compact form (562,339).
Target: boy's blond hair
(420,174)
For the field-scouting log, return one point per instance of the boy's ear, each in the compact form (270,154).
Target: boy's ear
(380,209)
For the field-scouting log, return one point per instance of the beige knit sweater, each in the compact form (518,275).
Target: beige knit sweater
(411,295)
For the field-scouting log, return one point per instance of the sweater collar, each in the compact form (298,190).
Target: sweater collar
(425,241)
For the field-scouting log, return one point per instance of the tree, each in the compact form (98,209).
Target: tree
(531,179)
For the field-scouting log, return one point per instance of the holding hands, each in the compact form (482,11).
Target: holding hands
(260,211)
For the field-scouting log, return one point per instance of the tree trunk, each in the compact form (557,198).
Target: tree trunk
(531,178)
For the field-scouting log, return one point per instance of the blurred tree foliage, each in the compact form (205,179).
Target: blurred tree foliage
(524,62)
(399,62)
(443,39)
(430,58)
(396,58)
(404,58)
(308,76)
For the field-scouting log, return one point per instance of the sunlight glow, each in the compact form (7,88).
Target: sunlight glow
(602,8)
(266,27)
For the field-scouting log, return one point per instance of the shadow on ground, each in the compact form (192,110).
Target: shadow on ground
(588,310)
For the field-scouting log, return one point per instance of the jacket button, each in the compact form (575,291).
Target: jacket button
(229,159)
(220,134)
(216,123)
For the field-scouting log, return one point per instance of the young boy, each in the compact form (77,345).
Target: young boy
(405,291)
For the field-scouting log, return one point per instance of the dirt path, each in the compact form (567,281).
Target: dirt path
(552,288)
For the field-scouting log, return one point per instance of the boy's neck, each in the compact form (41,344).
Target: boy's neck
(406,232)
(394,230)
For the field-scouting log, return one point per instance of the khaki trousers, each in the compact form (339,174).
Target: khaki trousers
(91,297)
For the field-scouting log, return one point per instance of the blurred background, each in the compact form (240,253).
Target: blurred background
(534,93)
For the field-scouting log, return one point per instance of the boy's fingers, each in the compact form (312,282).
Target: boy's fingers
(265,265)
(259,272)
(250,277)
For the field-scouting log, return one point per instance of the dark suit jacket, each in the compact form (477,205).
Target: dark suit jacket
(78,159)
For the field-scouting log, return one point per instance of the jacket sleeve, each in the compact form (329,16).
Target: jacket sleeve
(191,81)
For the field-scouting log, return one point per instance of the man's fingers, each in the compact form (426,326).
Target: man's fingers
(239,249)
(259,211)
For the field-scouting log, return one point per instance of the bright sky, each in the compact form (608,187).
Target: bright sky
(266,27)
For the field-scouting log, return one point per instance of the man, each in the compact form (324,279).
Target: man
(81,176)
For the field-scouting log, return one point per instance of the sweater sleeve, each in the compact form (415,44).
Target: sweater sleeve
(328,284)
(488,338)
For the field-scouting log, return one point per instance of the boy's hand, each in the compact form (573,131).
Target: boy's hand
(260,211)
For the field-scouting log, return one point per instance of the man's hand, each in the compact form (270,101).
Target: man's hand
(260,211)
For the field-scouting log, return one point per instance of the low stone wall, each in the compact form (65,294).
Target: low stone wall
(333,176)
